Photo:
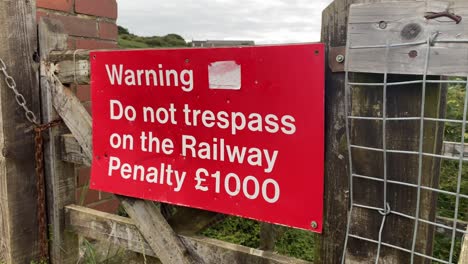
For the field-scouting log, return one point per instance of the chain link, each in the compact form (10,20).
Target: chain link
(10,82)
(40,188)
(39,161)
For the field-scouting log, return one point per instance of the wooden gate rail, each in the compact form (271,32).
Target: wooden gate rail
(122,231)
(161,239)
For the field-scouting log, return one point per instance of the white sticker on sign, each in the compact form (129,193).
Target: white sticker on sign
(225,75)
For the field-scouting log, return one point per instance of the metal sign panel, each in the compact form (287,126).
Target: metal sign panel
(233,130)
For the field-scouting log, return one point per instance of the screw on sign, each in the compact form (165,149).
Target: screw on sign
(340,58)
(382,25)
(236,131)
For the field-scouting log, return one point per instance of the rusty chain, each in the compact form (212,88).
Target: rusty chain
(39,161)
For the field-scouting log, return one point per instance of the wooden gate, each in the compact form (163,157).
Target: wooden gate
(147,231)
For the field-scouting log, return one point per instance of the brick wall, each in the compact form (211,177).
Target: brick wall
(90,24)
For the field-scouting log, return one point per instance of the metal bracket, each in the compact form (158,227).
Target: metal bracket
(336,58)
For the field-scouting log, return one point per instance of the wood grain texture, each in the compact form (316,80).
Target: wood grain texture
(72,66)
(123,231)
(18,217)
(190,221)
(268,235)
(70,109)
(464,251)
(60,176)
(402,101)
(405,23)
(453,149)
(400,135)
(336,196)
(71,151)
(157,232)
(74,72)
(461,225)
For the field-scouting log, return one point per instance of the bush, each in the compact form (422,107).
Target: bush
(122,30)
(127,40)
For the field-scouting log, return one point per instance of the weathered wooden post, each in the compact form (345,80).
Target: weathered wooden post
(404,100)
(60,176)
(18,217)
(331,242)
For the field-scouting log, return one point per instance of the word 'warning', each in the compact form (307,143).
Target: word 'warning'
(233,130)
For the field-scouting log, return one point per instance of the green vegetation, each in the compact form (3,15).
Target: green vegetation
(455,104)
(236,230)
(296,243)
(131,41)
(89,253)
(37,262)
(290,242)
(449,175)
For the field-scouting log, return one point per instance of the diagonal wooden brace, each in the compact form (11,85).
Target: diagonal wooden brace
(79,122)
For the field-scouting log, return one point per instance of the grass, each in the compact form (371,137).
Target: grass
(290,242)
(446,207)
(132,41)
(449,176)
(131,44)
(236,230)
(38,262)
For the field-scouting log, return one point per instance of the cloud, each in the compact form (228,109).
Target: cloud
(272,21)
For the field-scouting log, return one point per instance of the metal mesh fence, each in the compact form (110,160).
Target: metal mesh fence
(385,210)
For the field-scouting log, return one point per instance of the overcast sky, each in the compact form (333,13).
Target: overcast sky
(264,21)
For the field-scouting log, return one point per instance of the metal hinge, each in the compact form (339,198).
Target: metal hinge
(336,58)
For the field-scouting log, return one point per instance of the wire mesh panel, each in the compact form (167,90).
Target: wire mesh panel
(380,179)
(385,209)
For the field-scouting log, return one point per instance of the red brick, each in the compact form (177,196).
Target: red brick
(83,176)
(91,44)
(74,26)
(71,43)
(108,206)
(108,31)
(83,92)
(60,5)
(91,196)
(101,8)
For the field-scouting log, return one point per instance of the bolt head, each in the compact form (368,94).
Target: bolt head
(340,58)
(413,54)
(382,25)
(314,224)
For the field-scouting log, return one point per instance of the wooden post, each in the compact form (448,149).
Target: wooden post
(60,176)
(336,199)
(268,235)
(404,100)
(18,218)
(464,251)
